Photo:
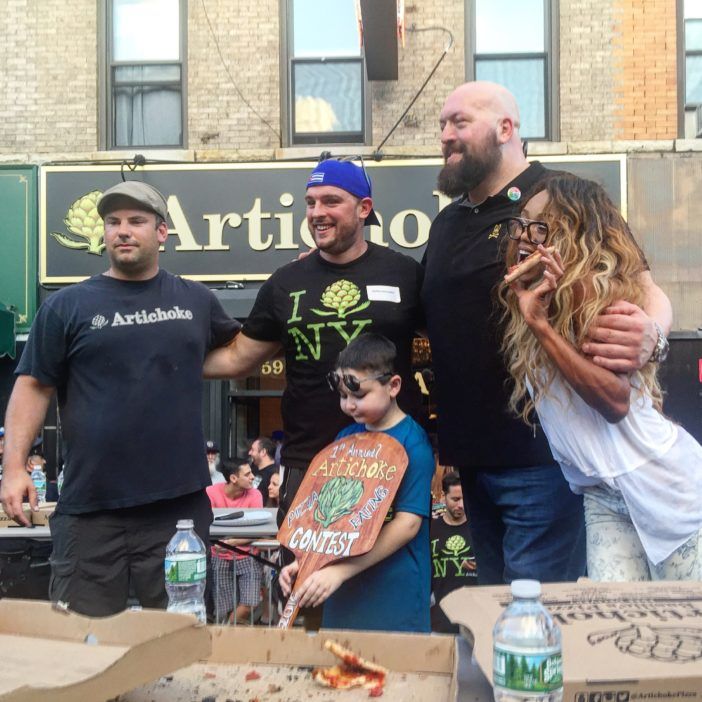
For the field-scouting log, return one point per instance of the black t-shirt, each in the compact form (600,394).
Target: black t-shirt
(451,545)
(126,358)
(463,262)
(262,479)
(314,309)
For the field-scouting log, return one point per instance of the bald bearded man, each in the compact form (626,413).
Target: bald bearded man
(525,520)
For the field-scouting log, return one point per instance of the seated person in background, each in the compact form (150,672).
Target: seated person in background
(262,459)
(274,491)
(452,558)
(213,462)
(386,588)
(640,474)
(235,574)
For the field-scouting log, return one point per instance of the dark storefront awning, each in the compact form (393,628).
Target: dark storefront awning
(7,332)
(237,302)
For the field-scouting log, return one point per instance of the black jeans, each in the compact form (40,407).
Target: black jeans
(98,557)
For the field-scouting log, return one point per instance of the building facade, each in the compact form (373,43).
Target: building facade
(198,82)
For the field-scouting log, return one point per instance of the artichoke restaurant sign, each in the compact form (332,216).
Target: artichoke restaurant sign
(242,221)
(341,504)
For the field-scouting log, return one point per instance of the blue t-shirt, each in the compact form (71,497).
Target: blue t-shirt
(393,595)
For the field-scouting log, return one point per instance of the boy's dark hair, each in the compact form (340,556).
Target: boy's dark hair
(267,444)
(369,352)
(228,468)
(449,480)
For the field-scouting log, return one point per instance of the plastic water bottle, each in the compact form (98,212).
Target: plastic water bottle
(527,665)
(39,480)
(186,570)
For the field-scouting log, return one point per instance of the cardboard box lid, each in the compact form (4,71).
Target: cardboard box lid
(422,667)
(38,518)
(611,631)
(56,656)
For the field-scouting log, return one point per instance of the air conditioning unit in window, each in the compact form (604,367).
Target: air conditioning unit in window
(698,122)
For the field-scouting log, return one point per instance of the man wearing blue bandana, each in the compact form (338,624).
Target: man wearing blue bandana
(313,308)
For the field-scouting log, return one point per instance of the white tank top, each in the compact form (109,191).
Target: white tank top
(655,464)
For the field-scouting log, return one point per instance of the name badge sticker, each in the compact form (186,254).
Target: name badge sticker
(383,293)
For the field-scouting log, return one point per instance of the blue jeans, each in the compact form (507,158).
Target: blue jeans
(526,523)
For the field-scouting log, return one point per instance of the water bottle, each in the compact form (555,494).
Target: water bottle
(527,664)
(186,570)
(39,480)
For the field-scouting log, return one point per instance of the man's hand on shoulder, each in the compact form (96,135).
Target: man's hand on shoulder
(304,254)
(622,338)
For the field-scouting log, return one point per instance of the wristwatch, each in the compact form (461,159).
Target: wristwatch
(660,351)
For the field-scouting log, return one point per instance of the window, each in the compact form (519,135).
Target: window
(325,101)
(144,96)
(511,42)
(693,52)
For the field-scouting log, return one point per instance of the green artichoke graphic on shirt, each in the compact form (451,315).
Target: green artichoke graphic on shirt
(337,497)
(84,222)
(342,298)
(455,545)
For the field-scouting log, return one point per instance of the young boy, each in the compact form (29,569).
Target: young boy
(388,587)
(233,570)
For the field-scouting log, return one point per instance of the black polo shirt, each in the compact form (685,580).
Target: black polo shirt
(464,261)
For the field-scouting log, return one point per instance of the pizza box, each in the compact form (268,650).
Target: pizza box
(621,641)
(5,521)
(422,667)
(56,656)
(38,518)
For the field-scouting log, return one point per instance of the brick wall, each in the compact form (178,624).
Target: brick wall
(645,63)
(248,35)
(420,128)
(48,77)
(617,64)
(586,70)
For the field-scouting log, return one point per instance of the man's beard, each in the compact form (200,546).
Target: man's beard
(471,170)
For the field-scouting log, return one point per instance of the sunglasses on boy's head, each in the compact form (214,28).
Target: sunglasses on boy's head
(351,381)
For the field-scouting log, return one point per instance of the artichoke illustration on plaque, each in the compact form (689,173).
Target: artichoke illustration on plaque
(337,497)
(659,643)
(341,297)
(84,222)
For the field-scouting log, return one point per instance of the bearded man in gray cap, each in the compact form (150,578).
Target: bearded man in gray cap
(124,352)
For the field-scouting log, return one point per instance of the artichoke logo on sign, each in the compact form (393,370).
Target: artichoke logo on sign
(83,221)
(337,498)
(342,298)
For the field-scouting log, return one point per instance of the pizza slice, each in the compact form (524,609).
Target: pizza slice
(353,671)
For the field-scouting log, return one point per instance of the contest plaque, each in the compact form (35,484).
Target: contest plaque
(341,504)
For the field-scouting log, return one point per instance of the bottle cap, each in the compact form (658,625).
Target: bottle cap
(184,524)
(526,588)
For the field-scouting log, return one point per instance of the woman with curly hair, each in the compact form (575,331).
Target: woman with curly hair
(640,474)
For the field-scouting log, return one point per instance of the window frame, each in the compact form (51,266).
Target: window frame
(685,55)
(287,90)
(549,57)
(107,68)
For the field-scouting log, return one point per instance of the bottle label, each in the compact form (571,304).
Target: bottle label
(527,672)
(181,571)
